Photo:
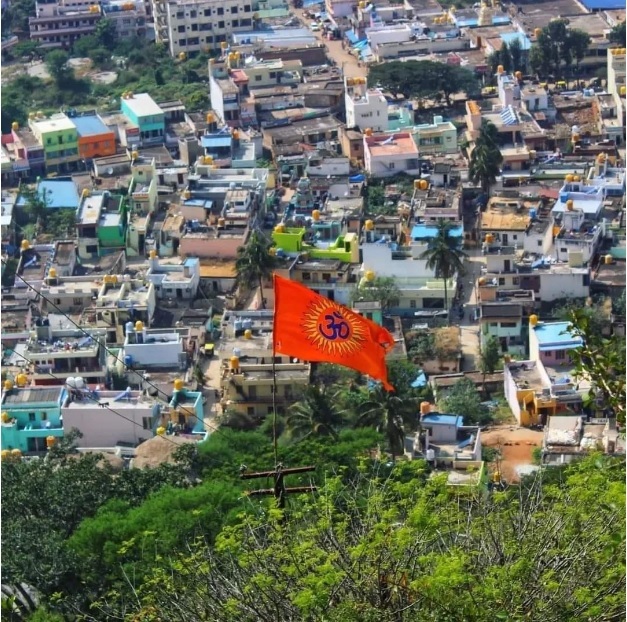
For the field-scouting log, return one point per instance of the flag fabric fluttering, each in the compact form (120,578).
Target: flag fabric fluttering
(313,328)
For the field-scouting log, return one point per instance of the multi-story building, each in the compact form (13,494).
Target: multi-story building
(616,73)
(67,294)
(142,194)
(136,417)
(196,25)
(439,137)
(58,354)
(128,16)
(30,415)
(142,111)
(180,280)
(503,320)
(59,138)
(389,155)
(246,366)
(15,163)
(101,223)
(365,108)
(144,348)
(59,24)
(95,139)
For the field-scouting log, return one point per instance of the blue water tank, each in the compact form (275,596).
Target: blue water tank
(128,360)
(533,213)
(563,197)
(238,324)
(130,327)
(247,323)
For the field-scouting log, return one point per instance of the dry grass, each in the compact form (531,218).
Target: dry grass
(158,450)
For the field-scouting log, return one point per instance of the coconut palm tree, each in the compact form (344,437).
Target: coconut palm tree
(387,412)
(316,413)
(255,263)
(444,256)
(486,158)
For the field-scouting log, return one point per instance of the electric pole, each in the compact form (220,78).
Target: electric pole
(279,490)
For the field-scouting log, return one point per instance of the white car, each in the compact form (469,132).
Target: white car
(314,27)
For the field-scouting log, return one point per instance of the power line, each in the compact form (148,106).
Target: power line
(106,349)
(104,406)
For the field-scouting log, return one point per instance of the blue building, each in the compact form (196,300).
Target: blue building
(143,112)
(30,415)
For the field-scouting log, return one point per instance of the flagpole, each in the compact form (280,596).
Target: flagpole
(274,438)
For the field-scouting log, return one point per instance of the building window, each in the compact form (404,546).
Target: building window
(501,281)
(207,12)
(412,304)
(234,10)
(560,355)
(508,324)
(77,301)
(539,242)
(147,423)
(31,417)
(220,24)
(250,411)
(220,11)
(391,165)
(257,78)
(494,324)
(252,392)
(515,280)
(181,29)
(192,13)
(306,276)
(44,416)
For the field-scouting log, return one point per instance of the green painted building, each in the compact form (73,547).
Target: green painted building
(344,248)
(59,138)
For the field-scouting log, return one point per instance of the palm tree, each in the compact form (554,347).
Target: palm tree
(444,256)
(486,158)
(315,414)
(255,263)
(387,412)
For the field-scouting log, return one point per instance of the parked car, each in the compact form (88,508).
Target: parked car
(314,27)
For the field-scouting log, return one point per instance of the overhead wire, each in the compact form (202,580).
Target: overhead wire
(103,345)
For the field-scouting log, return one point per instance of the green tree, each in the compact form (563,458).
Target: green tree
(518,56)
(445,256)
(577,44)
(58,66)
(505,58)
(383,289)
(464,399)
(316,412)
(106,34)
(490,357)
(255,263)
(26,49)
(83,46)
(617,34)
(485,159)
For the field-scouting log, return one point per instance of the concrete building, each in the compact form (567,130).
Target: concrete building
(504,322)
(246,366)
(128,16)
(567,438)
(32,415)
(439,137)
(549,343)
(365,108)
(616,72)
(57,354)
(339,8)
(59,24)
(386,156)
(143,195)
(195,25)
(142,111)
(179,281)
(64,258)
(91,412)
(69,294)
(95,139)
(59,138)
(146,348)
(101,223)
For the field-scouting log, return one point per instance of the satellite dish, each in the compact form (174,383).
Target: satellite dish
(109,171)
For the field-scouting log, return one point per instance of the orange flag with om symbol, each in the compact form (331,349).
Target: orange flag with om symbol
(313,328)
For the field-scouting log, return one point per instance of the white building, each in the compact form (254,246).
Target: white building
(389,155)
(153,348)
(196,25)
(365,108)
(616,72)
(87,411)
(175,280)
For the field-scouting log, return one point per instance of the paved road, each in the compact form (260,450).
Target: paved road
(469,328)
(345,61)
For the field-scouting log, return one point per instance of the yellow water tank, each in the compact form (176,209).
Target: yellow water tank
(489,238)
(25,245)
(187,194)
(500,69)
(519,75)
(576,178)
(576,138)
(623,91)
(423,184)
(350,81)
(40,114)
(425,408)
(178,384)
(482,280)
(152,254)
(134,155)
(248,334)
(533,320)
(316,215)
(224,45)
(272,251)
(160,431)
(16,453)
(131,95)
(537,32)
(234,363)
(368,131)
(52,273)
(601,158)
(570,205)
(6,417)
(139,326)
(235,135)
(85,193)
(507,358)
(608,259)
(569,178)
(370,276)
(280,228)
(50,441)
(182,56)
(21,380)
(221,222)
(369,225)
(210,118)
(207,160)
(5,454)
(15,126)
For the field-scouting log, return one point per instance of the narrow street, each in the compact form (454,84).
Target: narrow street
(345,61)
(468,327)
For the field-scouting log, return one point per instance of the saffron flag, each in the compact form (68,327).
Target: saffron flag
(313,328)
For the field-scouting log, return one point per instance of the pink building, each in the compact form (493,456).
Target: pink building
(214,241)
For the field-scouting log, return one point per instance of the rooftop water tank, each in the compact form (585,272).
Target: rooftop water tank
(128,360)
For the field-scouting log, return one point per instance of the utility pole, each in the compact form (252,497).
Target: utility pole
(279,490)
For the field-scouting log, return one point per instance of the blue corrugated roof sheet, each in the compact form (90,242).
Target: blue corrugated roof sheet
(603,5)
(438,419)
(215,141)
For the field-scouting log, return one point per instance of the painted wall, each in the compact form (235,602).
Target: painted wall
(151,354)
(97,146)
(225,248)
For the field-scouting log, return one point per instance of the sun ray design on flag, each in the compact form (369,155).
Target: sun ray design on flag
(332,330)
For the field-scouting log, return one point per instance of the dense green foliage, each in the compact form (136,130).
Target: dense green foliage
(423,79)
(255,262)
(486,158)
